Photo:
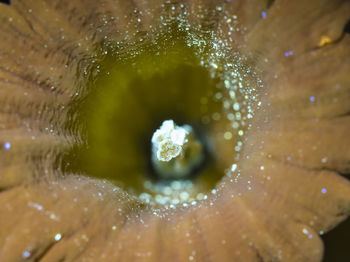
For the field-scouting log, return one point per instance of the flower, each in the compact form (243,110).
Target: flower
(286,189)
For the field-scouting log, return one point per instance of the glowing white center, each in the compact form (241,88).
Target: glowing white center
(168,141)
(175,150)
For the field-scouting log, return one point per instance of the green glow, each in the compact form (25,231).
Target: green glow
(129,99)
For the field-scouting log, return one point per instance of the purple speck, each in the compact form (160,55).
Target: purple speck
(263,14)
(26,254)
(7,145)
(288,53)
(324,190)
(312,98)
(310,236)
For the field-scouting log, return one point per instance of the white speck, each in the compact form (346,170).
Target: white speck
(324,160)
(227,135)
(200,196)
(234,167)
(214,65)
(218,95)
(36,206)
(305,231)
(58,237)
(236,106)
(184,195)
(54,217)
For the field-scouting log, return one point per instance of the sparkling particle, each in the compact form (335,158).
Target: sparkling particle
(184,195)
(218,96)
(58,237)
(231,116)
(324,190)
(7,145)
(26,254)
(234,167)
(235,125)
(263,14)
(200,196)
(232,94)
(312,98)
(288,53)
(324,160)
(227,135)
(36,206)
(236,106)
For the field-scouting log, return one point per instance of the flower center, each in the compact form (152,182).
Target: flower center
(185,76)
(175,150)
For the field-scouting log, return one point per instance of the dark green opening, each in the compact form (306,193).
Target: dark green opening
(133,93)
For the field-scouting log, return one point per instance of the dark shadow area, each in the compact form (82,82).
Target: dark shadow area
(5,1)
(347,28)
(337,243)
